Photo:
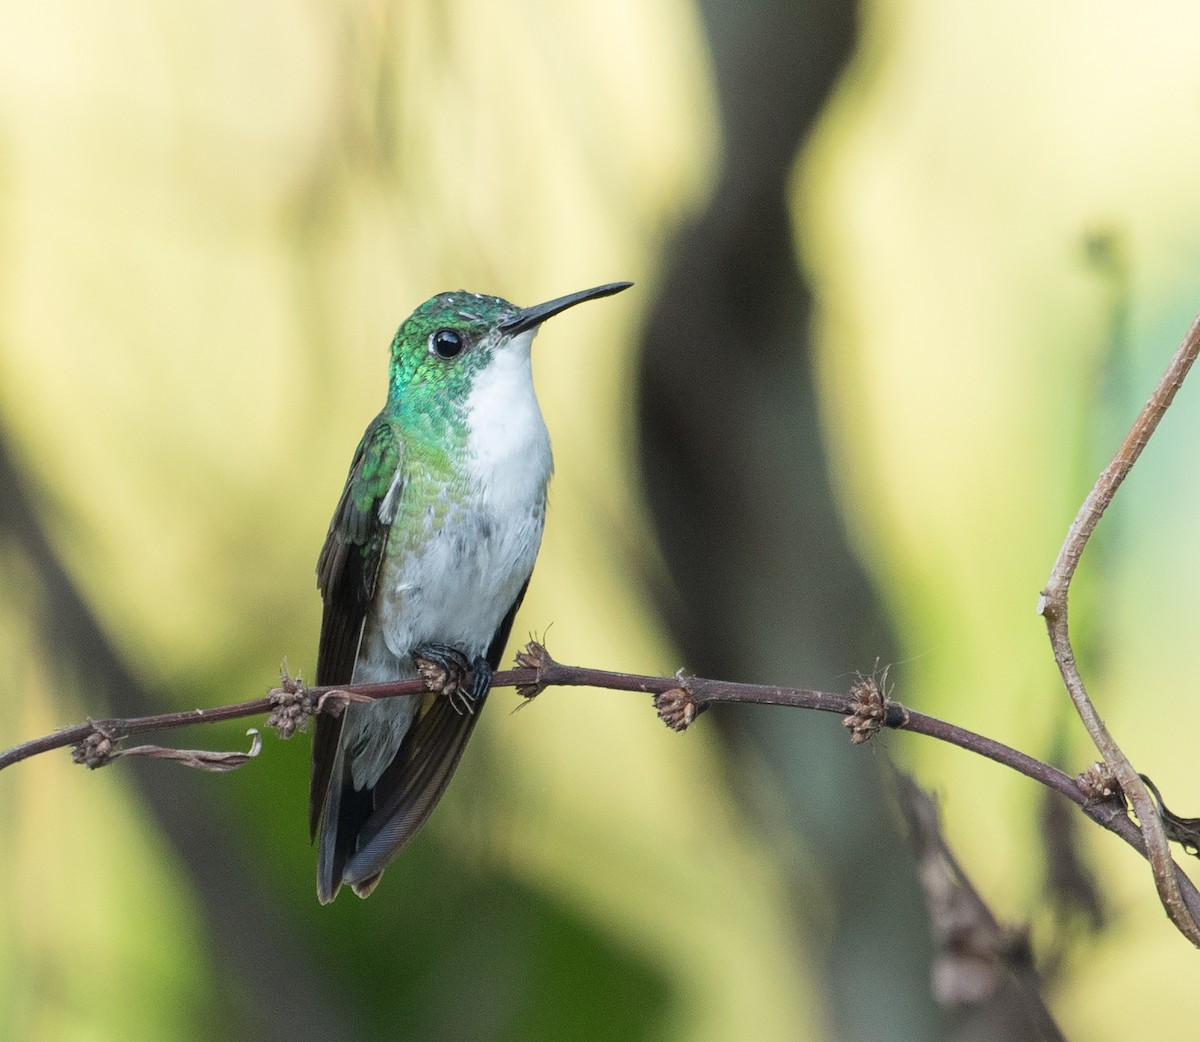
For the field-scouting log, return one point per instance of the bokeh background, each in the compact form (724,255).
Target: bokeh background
(905,271)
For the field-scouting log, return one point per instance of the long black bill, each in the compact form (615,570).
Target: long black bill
(527,318)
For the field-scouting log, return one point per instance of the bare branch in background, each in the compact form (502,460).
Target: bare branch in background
(979,964)
(1052,605)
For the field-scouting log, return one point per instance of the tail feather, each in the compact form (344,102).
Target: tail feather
(362,830)
(412,786)
(345,811)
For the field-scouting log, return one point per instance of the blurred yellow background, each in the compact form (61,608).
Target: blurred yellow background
(212,218)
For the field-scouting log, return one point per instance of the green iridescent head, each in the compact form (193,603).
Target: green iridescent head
(453,336)
(446,340)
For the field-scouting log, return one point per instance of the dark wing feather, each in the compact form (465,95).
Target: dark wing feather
(413,783)
(346,574)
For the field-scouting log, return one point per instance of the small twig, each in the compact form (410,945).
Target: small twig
(1184,831)
(117,729)
(1052,605)
(98,751)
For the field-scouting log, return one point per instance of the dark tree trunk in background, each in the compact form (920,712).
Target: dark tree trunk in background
(185,805)
(736,474)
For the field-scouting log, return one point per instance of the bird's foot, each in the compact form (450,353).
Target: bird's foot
(447,671)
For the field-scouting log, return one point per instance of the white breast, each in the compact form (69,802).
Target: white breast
(478,557)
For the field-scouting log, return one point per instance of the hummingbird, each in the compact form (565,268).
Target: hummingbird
(428,556)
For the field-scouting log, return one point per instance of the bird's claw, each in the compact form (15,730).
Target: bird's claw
(447,671)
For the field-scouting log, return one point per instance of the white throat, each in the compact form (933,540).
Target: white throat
(508,447)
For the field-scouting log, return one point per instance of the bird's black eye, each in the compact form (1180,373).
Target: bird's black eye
(446,343)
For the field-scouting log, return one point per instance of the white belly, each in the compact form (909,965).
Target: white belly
(458,587)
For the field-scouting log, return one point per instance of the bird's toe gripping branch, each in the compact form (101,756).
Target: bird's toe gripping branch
(447,671)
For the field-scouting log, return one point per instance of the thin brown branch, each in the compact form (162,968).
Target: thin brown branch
(116,729)
(689,696)
(1052,605)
